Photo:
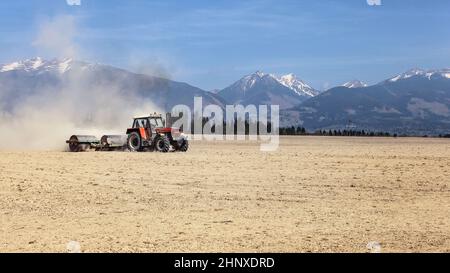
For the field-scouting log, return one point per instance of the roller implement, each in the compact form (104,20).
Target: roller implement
(78,143)
(147,133)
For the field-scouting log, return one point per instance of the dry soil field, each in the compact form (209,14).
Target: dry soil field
(314,194)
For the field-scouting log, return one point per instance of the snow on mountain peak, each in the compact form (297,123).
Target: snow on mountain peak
(64,65)
(445,73)
(259,74)
(297,85)
(408,74)
(290,81)
(354,84)
(29,64)
(250,80)
(11,66)
(289,76)
(38,64)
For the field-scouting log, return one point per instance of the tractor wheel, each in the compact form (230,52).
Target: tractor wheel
(134,142)
(104,146)
(74,146)
(184,146)
(162,144)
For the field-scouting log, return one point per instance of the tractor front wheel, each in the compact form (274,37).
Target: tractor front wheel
(134,142)
(162,144)
(184,146)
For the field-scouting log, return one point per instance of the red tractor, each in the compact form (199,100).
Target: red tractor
(147,134)
(150,133)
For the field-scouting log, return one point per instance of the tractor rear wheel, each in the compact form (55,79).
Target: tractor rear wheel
(134,142)
(162,144)
(184,146)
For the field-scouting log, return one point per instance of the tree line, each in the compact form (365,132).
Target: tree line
(345,132)
(294,131)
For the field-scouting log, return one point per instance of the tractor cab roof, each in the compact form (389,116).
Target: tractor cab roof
(155,115)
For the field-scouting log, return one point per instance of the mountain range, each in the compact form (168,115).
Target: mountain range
(20,80)
(260,88)
(415,102)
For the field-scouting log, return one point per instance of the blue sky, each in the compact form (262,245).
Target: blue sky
(211,44)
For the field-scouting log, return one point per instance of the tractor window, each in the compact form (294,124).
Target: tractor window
(153,122)
(156,122)
(145,123)
(159,122)
(140,123)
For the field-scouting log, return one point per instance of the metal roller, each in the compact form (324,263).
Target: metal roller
(81,143)
(113,141)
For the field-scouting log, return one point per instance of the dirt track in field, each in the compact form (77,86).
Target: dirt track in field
(314,194)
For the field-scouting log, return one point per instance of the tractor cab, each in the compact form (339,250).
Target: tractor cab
(149,124)
(154,120)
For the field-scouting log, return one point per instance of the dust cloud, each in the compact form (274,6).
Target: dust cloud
(70,102)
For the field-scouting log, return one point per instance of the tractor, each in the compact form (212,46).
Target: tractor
(146,134)
(150,133)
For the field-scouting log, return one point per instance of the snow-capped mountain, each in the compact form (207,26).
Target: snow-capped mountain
(355,84)
(417,72)
(414,102)
(261,88)
(297,85)
(40,65)
(22,79)
(249,81)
